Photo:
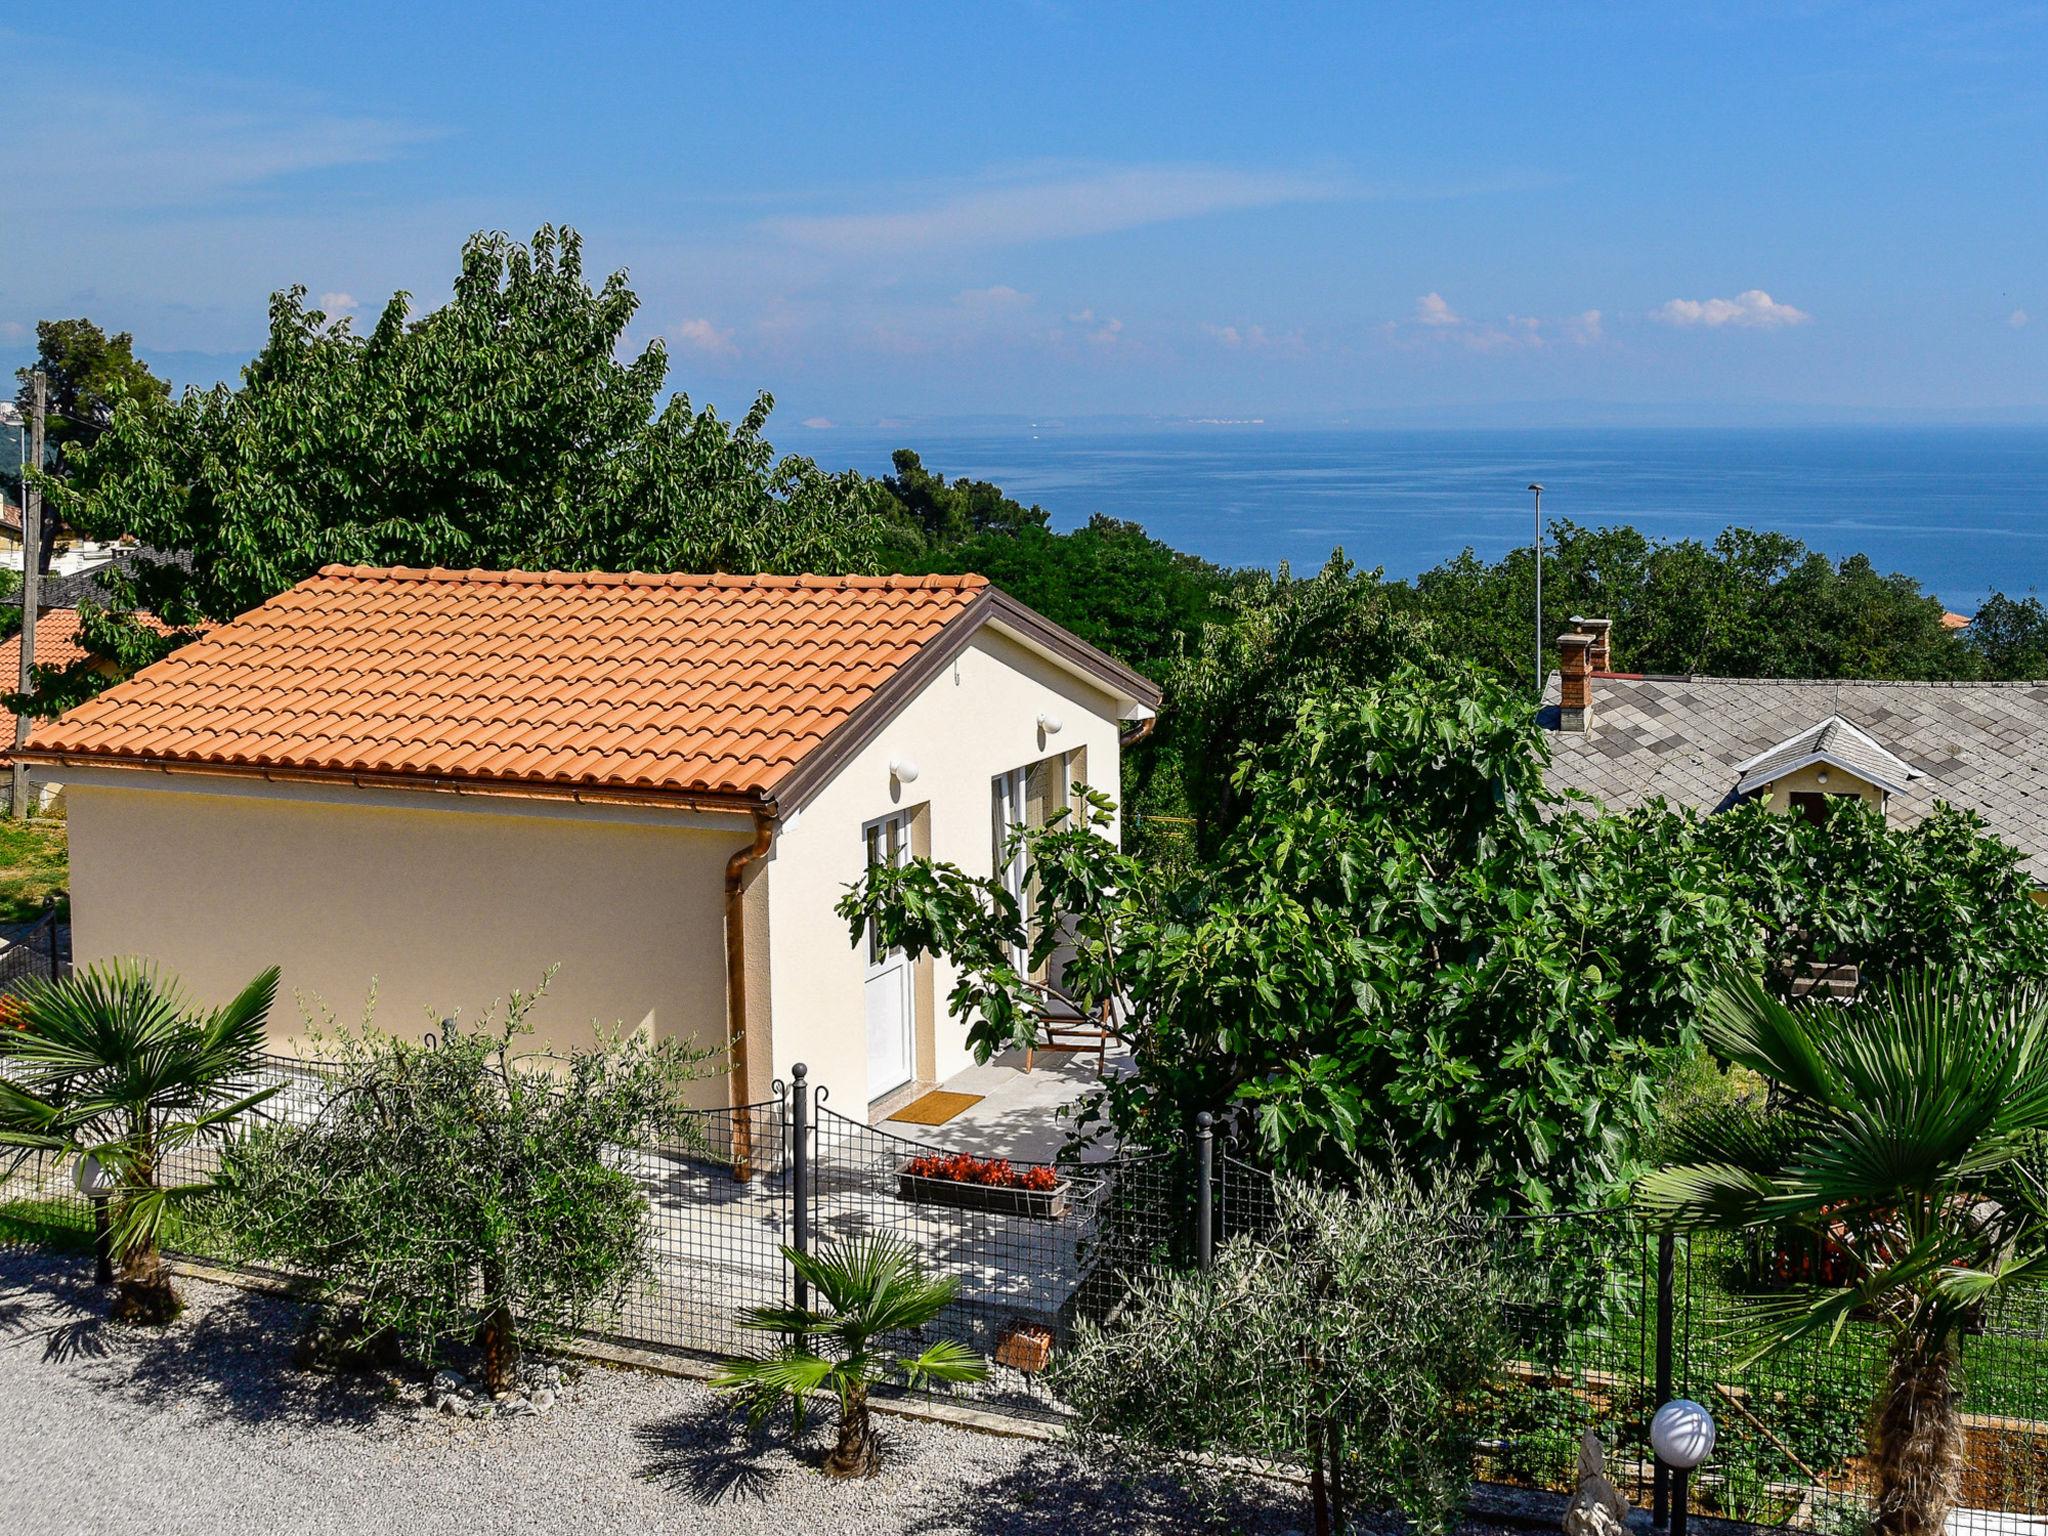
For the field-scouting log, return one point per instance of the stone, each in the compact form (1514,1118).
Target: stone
(543,1400)
(1597,1509)
(449,1381)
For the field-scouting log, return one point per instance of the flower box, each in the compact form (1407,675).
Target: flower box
(1047,1201)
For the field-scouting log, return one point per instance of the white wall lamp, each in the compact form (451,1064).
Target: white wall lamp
(1682,1435)
(903,770)
(1052,725)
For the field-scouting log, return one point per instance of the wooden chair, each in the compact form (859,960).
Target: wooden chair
(1064,1025)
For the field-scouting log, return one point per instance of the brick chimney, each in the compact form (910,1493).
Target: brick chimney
(1574,673)
(1600,659)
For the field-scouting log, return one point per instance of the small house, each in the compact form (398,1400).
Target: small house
(444,782)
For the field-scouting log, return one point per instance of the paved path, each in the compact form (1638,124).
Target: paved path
(209,1428)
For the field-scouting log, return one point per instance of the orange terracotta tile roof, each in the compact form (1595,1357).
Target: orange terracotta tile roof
(714,685)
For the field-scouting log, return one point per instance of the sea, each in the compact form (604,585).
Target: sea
(1963,510)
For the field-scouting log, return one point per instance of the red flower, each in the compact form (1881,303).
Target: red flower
(989,1172)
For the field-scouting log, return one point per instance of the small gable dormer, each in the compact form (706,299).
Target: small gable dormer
(1831,758)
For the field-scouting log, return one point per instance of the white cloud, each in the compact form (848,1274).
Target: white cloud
(1058,208)
(1098,330)
(338,304)
(704,338)
(2018,318)
(1436,323)
(1752,309)
(820,423)
(12,330)
(1585,328)
(171,144)
(1256,338)
(1431,309)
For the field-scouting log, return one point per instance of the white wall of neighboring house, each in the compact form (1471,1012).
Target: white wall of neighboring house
(976,719)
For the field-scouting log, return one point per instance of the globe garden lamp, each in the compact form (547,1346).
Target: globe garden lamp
(98,1185)
(1682,1435)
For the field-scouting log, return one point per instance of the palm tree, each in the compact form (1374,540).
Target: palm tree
(116,1064)
(1911,1131)
(873,1287)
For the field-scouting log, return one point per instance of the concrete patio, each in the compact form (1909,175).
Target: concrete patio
(1023,1116)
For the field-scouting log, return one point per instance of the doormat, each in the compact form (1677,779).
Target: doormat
(936,1107)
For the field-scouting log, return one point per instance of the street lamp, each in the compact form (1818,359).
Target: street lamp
(1682,1435)
(1537,492)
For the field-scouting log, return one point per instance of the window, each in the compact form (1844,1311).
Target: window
(1813,805)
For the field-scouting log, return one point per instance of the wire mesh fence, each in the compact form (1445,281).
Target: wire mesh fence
(1610,1318)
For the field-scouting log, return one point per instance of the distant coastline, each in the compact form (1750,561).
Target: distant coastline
(1964,509)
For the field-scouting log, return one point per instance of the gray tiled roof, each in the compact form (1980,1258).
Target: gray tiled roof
(1980,746)
(1834,741)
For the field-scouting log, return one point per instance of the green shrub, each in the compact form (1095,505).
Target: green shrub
(1353,1336)
(463,1190)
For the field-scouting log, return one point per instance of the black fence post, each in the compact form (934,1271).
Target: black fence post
(102,1242)
(1205,1189)
(50,931)
(1667,1285)
(800,1173)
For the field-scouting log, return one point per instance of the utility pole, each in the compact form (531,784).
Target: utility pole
(1537,490)
(31,579)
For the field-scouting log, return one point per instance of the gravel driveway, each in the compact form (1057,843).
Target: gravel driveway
(211,1428)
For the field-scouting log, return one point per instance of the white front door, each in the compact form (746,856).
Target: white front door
(891,1054)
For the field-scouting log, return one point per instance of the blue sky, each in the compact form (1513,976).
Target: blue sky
(895,212)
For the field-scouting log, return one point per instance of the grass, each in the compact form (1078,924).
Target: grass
(35,864)
(64,1225)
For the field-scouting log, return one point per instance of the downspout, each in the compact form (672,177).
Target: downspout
(1136,733)
(736,991)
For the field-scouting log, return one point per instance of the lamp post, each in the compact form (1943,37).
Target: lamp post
(1537,492)
(97,1185)
(1682,1435)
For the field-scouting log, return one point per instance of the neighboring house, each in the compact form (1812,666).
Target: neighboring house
(68,585)
(447,781)
(68,554)
(58,643)
(1708,742)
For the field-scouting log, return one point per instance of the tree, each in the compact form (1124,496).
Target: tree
(1282,639)
(946,514)
(1393,946)
(871,1287)
(500,430)
(1351,1336)
(2011,636)
(459,1190)
(115,1063)
(1405,940)
(89,374)
(1750,604)
(1911,1133)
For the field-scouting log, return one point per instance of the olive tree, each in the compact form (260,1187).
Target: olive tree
(1350,1335)
(461,1191)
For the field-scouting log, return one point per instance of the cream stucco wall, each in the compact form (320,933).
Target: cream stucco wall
(1807,781)
(976,719)
(446,902)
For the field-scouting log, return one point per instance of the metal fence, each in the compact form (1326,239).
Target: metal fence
(38,949)
(1614,1318)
